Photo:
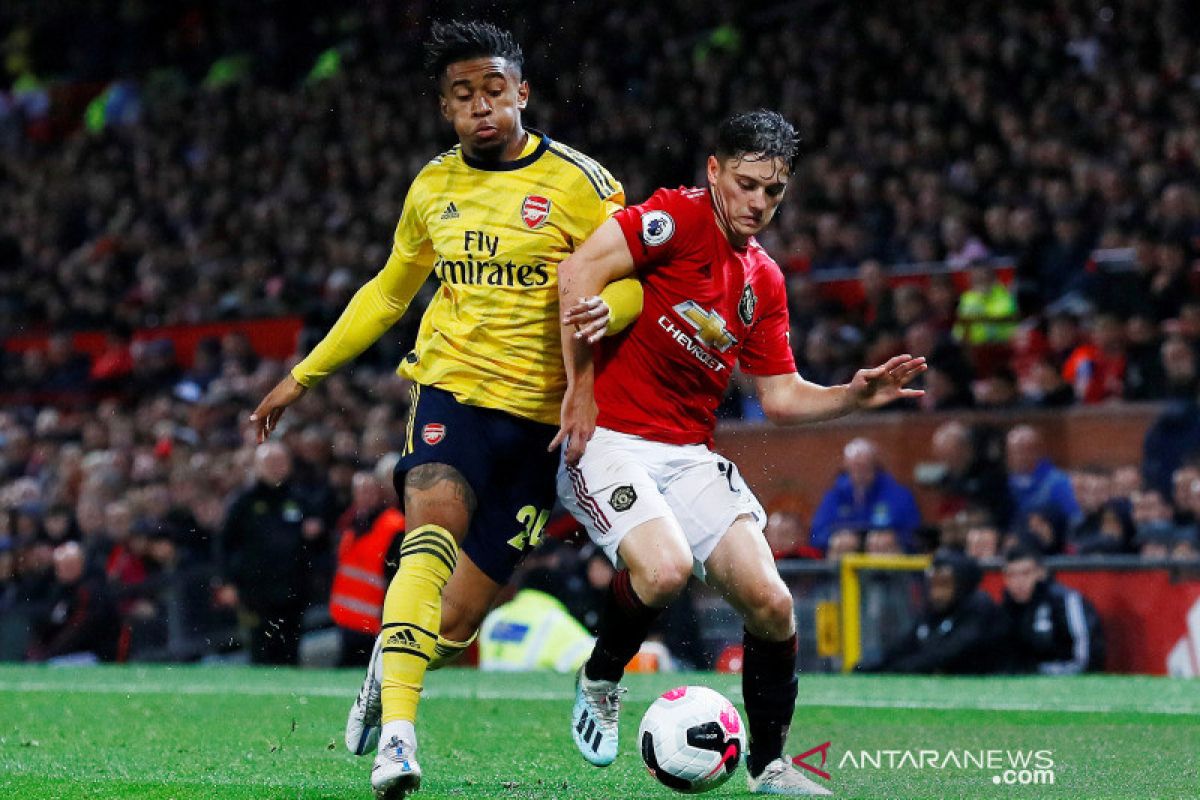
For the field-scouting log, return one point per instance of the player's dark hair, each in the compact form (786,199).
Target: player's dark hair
(762,133)
(460,40)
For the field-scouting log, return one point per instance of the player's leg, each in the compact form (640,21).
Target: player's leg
(613,494)
(438,504)
(742,569)
(724,522)
(656,566)
(465,601)
(446,460)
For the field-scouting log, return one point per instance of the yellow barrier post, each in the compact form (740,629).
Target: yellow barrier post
(851,595)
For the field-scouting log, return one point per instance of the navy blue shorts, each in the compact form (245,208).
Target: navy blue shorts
(504,460)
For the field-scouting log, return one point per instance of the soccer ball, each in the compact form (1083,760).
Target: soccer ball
(691,739)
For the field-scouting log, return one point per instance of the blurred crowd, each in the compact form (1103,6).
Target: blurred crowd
(993,491)
(1042,157)
(259,156)
(155,509)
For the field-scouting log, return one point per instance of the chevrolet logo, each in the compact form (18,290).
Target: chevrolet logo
(709,325)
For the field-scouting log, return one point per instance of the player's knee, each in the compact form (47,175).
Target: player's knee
(772,612)
(664,582)
(438,494)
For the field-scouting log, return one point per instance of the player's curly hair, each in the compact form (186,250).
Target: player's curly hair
(460,40)
(762,133)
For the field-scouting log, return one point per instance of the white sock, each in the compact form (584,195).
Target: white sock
(401,728)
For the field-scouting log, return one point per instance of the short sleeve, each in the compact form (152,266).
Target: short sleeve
(768,349)
(655,229)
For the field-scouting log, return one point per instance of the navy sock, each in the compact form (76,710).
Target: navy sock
(769,692)
(624,625)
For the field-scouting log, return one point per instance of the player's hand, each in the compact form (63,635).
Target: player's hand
(267,415)
(878,386)
(590,318)
(578,423)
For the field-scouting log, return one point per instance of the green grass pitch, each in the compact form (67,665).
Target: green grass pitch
(229,732)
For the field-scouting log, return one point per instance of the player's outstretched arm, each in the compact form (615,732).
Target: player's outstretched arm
(791,400)
(602,259)
(375,308)
(266,416)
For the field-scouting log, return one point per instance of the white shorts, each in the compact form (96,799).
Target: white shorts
(623,481)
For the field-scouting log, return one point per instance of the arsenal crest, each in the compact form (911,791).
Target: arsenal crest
(433,433)
(747,305)
(535,211)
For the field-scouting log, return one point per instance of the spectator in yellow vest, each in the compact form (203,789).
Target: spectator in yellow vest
(987,312)
(533,631)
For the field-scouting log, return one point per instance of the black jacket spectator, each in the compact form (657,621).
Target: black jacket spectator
(1055,631)
(82,618)
(266,553)
(961,633)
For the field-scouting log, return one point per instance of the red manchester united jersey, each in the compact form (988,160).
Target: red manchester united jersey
(707,307)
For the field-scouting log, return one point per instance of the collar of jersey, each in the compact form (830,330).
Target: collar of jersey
(506,166)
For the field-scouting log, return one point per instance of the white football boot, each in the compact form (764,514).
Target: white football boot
(363,724)
(594,719)
(781,778)
(396,773)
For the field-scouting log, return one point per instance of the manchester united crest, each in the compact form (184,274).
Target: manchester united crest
(535,210)
(747,305)
(622,498)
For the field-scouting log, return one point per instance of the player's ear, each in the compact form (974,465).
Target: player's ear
(444,107)
(522,94)
(714,169)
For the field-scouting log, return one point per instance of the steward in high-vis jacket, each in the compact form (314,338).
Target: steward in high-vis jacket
(367,557)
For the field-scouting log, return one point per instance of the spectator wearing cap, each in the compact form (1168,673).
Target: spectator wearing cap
(1053,629)
(960,633)
(865,497)
(1033,481)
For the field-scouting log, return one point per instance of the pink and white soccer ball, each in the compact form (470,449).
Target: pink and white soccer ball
(691,739)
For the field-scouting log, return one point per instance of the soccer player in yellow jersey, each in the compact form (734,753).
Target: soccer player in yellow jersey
(492,218)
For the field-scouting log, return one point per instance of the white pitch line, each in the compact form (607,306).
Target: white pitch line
(448,693)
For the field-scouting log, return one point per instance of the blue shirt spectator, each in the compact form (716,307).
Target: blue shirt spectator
(865,497)
(1033,481)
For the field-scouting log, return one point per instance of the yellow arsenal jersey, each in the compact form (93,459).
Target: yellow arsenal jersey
(493,234)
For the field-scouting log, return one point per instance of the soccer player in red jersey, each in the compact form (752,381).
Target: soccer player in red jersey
(638,470)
